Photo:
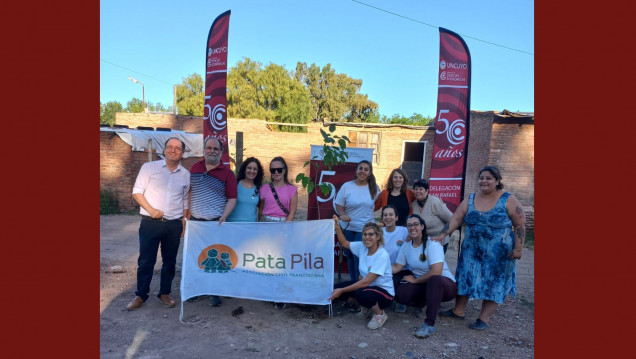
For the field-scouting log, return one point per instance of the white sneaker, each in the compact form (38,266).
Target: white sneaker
(377,321)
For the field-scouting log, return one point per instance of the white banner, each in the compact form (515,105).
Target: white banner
(287,262)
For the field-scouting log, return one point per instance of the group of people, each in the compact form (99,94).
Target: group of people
(168,194)
(401,261)
(404,260)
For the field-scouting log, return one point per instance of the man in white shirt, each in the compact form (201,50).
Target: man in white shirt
(161,189)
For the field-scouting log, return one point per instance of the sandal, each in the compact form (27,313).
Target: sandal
(449,313)
(479,325)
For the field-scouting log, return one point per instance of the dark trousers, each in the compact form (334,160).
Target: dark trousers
(352,260)
(152,235)
(367,296)
(432,293)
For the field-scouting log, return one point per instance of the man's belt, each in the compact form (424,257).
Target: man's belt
(159,219)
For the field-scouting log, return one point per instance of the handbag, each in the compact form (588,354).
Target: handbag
(277,200)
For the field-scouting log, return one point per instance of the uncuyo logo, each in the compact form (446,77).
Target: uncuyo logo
(217,258)
(442,64)
(209,51)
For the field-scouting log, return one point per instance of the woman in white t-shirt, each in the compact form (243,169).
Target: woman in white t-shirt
(431,282)
(374,291)
(355,203)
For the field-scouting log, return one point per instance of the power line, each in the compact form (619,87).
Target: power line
(137,72)
(437,27)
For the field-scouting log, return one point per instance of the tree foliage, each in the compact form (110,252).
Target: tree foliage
(334,96)
(269,93)
(191,96)
(415,120)
(107,112)
(135,105)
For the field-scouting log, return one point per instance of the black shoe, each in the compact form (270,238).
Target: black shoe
(479,325)
(449,313)
(280,305)
(196,298)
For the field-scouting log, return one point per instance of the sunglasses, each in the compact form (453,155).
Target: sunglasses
(277,170)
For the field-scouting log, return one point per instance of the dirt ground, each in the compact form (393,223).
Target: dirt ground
(299,331)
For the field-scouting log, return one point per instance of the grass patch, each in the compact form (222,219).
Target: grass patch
(529,239)
(108,202)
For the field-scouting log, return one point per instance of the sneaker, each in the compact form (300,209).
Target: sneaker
(449,313)
(424,331)
(280,306)
(400,308)
(135,303)
(377,321)
(364,313)
(215,301)
(166,301)
(479,325)
(196,298)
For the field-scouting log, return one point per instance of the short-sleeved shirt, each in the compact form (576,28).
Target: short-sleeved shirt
(393,241)
(246,205)
(164,190)
(211,190)
(285,194)
(378,263)
(420,263)
(358,204)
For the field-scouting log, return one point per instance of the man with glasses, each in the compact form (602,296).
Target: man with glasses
(161,189)
(213,190)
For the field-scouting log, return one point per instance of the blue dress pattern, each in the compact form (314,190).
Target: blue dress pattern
(484,270)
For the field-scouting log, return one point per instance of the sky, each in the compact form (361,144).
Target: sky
(392,46)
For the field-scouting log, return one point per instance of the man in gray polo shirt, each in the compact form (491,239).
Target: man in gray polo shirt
(161,189)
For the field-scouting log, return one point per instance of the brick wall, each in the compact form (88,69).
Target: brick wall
(509,146)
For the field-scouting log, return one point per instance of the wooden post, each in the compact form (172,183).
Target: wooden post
(239,150)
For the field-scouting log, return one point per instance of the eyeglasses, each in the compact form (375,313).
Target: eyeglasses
(413,225)
(277,170)
(177,149)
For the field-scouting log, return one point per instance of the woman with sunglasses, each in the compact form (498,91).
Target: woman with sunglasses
(431,281)
(432,209)
(374,289)
(279,199)
(355,203)
(250,179)
(397,194)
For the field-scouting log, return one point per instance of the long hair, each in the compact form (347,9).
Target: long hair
(421,220)
(389,182)
(258,181)
(279,158)
(378,231)
(494,171)
(373,186)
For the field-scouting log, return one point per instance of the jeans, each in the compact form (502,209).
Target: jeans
(352,260)
(152,235)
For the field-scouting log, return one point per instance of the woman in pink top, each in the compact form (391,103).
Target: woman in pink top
(284,209)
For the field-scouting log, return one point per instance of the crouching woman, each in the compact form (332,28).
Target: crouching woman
(373,290)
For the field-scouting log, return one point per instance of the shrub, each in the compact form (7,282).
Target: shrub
(108,202)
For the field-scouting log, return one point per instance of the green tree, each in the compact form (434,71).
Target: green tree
(108,111)
(269,93)
(335,96)
(134,106)
(191,96)
(415,120)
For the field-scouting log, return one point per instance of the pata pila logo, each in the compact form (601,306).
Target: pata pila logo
(217,258)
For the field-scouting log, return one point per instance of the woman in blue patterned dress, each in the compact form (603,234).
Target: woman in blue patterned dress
(486,268)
